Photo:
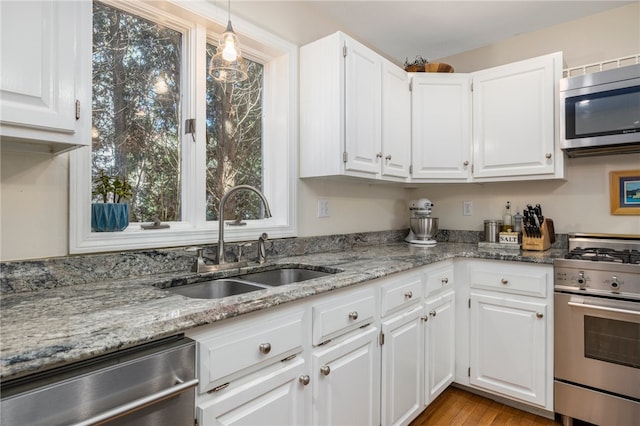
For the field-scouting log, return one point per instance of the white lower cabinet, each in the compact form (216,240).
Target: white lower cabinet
(439,344)
(510,318)
(402,367)
(508,347)
(345,377)
(275,397)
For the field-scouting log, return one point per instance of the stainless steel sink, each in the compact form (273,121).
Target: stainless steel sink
(283,276)
(215,289)
(223,287)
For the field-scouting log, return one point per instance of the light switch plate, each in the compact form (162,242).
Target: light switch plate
(323,208)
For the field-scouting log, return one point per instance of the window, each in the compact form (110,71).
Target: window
(149,76)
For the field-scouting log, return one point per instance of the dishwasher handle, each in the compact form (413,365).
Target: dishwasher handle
(139,403)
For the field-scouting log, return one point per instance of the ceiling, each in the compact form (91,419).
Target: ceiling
(404,29)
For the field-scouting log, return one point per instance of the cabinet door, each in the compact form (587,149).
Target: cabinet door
(508,347)
(363,89)
(345,378)
(272,397)
(396,122)
(402,367)
(439,345)
(441,127)
(38,70)
(514,118)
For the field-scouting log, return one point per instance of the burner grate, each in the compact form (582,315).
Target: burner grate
(601,254)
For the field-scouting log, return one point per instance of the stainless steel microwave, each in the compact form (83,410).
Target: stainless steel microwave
(600,112)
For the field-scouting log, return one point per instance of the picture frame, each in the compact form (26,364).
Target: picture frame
(624,192)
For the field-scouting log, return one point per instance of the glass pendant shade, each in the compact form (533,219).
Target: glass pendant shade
(227,65)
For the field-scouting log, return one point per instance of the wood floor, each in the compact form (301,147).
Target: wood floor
(458,407)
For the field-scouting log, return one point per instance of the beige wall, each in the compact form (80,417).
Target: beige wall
(34,187)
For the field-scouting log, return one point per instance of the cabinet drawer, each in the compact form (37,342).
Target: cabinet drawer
(438,278)
(400,291)
(527,280)
(240,350)
(342,314)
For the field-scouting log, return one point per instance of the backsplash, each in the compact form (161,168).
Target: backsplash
(30,275)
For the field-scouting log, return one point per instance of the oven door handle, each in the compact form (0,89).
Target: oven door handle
(603,308)
(139,403)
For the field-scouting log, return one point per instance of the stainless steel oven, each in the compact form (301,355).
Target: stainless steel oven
(597,330)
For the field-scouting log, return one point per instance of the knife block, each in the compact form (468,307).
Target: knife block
(539,243)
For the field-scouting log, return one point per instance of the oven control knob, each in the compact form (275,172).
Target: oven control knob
(581,280)
(614,284)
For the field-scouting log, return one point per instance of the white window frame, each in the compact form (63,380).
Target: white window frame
(280,135)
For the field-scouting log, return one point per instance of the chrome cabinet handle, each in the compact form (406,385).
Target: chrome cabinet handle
(353,315)
(265,348)
(433,313)
(539,314)
(445,280)
(325,370)
(408,294)
(504,281)
(304,379)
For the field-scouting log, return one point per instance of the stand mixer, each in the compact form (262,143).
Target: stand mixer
(422,226)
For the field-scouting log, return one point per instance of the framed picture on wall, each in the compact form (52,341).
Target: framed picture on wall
(624,192)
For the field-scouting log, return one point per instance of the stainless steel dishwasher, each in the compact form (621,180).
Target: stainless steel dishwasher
(149,385)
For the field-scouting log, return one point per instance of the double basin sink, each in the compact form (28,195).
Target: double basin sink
(223,287)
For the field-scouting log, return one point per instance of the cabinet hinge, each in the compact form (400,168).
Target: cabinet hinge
(411,86)
(411,169)
(469,372)
(469,303)
(381,338)
(472,86)
(345,157)
(195,422)
(289,358)
(219,388)
(344,51)
(77,109)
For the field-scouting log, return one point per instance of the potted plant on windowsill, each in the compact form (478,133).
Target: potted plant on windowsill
(113,213)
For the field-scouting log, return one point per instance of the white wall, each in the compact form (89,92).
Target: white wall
(34,187)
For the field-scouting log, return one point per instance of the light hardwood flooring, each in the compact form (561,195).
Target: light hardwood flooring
(459,407)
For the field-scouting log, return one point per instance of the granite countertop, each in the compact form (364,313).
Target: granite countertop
(51,327)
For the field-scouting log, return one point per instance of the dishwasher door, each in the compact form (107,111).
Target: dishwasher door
(149,385)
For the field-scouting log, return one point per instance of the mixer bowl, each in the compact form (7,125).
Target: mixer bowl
(424,228)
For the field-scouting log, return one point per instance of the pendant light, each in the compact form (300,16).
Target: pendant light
(227,65)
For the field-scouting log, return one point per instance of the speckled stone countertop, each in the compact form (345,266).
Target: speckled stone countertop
(51,327)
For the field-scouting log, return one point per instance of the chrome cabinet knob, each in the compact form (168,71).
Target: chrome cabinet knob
(504,281)
(445,280)
(466,163)
(424,318)
(548,156)
(265,348)
(408,294)
(388,157)
(433,313)
(379,155)
(353,315)
(304,379)
(539,314)
(325,370)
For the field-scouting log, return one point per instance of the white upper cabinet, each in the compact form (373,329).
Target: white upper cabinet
(40,73)
(395,153)
(514,115)
(441,127)
(344,128)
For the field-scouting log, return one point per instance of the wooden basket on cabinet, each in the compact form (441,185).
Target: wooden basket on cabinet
(547,237)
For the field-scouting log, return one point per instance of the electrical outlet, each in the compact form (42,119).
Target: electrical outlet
(467,208)
(323,208)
